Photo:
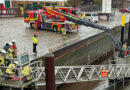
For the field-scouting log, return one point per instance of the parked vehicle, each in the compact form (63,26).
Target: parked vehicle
(92,17)
(126,10)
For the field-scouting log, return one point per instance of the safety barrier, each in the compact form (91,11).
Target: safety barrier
(17,79)
(11,12)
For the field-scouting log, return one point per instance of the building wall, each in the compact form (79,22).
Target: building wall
(24,3)
(2,1)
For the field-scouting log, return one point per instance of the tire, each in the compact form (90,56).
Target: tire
(55,28)
(31,25)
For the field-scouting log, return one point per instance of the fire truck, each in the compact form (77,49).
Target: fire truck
(48,19)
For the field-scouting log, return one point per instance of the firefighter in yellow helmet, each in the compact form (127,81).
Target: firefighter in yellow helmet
(26,72)
(10,50)
(63,30)
(10,70)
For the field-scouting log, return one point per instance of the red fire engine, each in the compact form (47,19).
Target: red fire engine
(48,19)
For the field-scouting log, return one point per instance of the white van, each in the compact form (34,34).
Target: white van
(93,17)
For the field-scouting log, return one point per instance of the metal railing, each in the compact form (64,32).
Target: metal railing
(69,74)
(18,79)
(63,74)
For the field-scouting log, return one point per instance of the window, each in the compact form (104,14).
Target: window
(73,12)
(20,5)
(28,7)
(48,4)
(88,14)
(95,14)
(55,4)
(63,10)
(26,15)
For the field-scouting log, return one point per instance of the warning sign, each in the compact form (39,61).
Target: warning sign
(104,73)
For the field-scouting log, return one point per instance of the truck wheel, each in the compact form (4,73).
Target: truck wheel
(55,28)
(31,25)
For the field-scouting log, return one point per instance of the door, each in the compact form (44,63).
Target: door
(7,4)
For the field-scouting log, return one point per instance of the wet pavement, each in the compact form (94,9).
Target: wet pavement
(15,28)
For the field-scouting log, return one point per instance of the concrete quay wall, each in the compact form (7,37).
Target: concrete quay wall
(88,50)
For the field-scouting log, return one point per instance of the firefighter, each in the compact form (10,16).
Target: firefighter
(10,70)
(125,46)
(1,59)
(63,30)
(3,52)
(21,10)
(10,50)
(84,16)
(14,48)
(26,72)
(6,47)
(35,42)
(6,57)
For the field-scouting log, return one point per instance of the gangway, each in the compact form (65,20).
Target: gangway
(69,74)
(63,74)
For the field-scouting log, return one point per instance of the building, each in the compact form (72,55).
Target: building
(32,4)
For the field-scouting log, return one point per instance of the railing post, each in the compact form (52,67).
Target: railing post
(128,41)
(122,28)
(50,71)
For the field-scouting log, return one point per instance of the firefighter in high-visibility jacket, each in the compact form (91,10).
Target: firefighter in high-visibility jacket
(84,16)
(63,30)
(10,70)
(1,60)
(10,50)
(1,63)
(26,72)
(35,42)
